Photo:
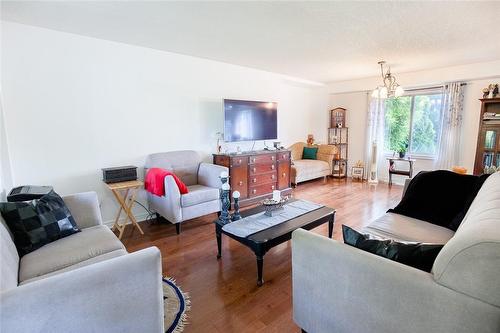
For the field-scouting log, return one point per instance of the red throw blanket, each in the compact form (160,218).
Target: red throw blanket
(155,182)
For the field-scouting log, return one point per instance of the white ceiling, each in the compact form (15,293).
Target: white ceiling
(319,41)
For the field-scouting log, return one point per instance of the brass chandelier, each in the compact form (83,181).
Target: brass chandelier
(390,88)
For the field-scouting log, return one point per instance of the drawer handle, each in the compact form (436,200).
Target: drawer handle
(272,166)
(254,170)
(272,176)
(283,175)
(272,158)
(253,160)
(254,180)
(284,156)
(254,191)
(272,187)
(240,183)
(239,161)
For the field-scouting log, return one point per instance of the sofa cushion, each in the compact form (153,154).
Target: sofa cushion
(9,259)
(309,153)
(199,194)
(407,229)
(91,261)
(418,255)
(89,243)
(183,163)
(470,262)
(38,222)
(309,169)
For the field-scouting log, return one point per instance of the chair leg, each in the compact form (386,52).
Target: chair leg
(178,228)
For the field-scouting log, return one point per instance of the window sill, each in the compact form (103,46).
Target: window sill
(413,156)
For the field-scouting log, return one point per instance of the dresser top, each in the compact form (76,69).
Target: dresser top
(253,153)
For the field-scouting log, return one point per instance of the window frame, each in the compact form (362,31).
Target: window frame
(413,93)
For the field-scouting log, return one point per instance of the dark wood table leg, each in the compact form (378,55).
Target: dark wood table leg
(330,225)
(260,264)
(218,235)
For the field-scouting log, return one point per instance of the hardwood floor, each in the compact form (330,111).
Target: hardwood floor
(224,294)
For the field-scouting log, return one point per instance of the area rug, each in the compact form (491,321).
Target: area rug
(176,304)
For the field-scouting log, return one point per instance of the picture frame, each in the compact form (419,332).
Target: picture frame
(357,173)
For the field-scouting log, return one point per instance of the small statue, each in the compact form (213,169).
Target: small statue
(310,139)
(225,204)
(495,91)
(490,89)
(486,92)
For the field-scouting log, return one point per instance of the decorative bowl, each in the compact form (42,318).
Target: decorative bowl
(273,207)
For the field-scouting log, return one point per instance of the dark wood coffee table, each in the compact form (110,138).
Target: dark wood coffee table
(264,240)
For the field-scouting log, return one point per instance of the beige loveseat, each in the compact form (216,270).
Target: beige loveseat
(338,288)
(303,170)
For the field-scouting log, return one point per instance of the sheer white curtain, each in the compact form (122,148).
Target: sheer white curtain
(449,142)
(374,137)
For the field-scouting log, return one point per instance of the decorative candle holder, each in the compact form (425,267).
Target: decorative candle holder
(225,202)
(236,215)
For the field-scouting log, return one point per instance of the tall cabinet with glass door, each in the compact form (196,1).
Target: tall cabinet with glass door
(488,141)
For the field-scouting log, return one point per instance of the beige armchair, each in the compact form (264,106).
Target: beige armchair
(202,180)
(303,170)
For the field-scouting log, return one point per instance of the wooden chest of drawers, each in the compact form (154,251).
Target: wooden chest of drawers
(257,174)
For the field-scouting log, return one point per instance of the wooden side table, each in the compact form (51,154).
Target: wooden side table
(393,171)
(125,193)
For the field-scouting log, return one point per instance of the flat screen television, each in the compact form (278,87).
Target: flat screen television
(250,120)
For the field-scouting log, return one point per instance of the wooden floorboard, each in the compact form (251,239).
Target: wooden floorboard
(224,294)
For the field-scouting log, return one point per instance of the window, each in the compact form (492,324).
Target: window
(413,123)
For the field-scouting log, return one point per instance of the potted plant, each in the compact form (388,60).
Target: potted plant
(403,147)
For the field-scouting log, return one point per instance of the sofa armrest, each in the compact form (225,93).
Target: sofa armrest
(169,205)
(122,294)
(85,209)
(208,174)
(338,288)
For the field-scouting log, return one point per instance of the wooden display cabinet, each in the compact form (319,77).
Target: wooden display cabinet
(488,140)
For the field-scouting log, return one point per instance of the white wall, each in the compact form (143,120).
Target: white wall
(5,175)
(75,104)
(357,104)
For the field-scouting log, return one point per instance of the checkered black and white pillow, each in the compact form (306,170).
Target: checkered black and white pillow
(38,222)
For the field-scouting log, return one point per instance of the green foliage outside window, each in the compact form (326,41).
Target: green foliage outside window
(423,114)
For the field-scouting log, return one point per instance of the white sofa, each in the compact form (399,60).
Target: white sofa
(86,282)
(338,288)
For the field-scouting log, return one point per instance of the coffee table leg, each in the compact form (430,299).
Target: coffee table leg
(219,243)
(330,226)
(260,264)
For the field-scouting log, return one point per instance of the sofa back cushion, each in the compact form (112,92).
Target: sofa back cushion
(184,163)
(9,260)
(470,262)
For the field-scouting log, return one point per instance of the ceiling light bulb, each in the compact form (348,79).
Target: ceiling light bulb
(383,92)
(399,91)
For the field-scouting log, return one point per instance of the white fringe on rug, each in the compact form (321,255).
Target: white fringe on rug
(183,320)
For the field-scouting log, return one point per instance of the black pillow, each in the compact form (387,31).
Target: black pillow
(38,222)
(440,197)
(416,255)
